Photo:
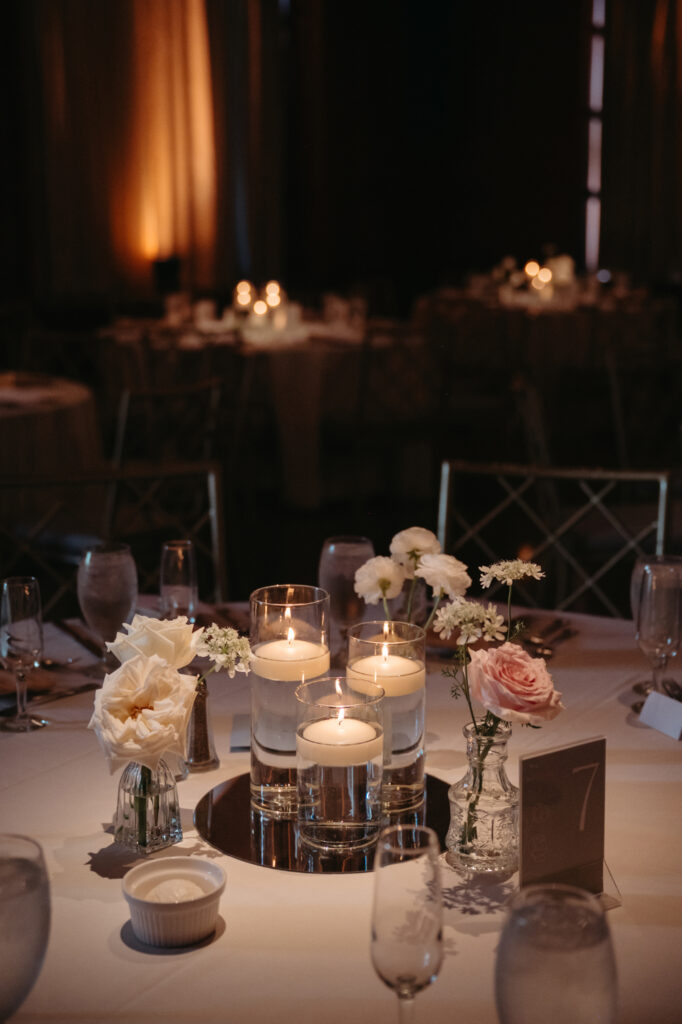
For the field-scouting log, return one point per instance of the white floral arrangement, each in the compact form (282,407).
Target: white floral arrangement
(415,553)
(143,708)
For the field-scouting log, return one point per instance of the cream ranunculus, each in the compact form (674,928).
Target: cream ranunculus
(512,685)
(378,578)
(174,640)
(142,712)
(445,574)
(408,546)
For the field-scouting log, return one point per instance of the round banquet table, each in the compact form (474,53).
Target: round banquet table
(295,947)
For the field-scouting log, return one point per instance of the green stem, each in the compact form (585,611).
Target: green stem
(140,800)
(433,612)
(386,611)
(469,828)
(509,612)
(410,598)
(467,695)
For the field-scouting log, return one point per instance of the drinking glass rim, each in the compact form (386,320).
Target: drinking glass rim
(385,839)
(321,597)
(17,837)
(347,538)
(20,579)
(419,633)
(524,896)
(107,547)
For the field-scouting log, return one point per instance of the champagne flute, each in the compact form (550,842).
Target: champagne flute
(555,960)
(21,642)
(107,591)
(407,942)
(339,559)
(178,580)
(642,563)
(658,618)
(24,919)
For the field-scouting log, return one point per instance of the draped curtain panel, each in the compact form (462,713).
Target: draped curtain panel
(642,155)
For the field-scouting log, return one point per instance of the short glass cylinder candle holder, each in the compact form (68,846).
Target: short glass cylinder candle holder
(290,644)
(393,655)
(339,759)
(148,810)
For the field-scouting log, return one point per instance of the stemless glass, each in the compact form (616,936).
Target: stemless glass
(658,618)
(178,580)
(107,590)
(339,558)
(407,913)
(24,919)
(555,960)
(21,642)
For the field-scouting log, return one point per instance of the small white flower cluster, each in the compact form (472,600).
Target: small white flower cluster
(414,553)
(226,648)
(508,572)
(474,621)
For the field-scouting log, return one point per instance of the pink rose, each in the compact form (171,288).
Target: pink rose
(512,685)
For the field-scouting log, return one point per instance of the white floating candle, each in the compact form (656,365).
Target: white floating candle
(340,742)
(396,675)
(291,659)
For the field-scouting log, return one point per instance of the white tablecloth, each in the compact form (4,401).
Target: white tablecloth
(295,947)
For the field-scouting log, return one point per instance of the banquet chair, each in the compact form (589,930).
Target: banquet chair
(584,526)
(47,522)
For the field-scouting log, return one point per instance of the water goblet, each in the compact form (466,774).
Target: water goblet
(339,559)
(407,912)
(555,960)
(107,591)
(21,643)
(24,919)
(178,580)
(658,618)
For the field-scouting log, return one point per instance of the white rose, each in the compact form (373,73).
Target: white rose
(379,577)
(142,712)
(445,573)
(174,640)
(408,546)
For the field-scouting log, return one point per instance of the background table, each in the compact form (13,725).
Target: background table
(296,947)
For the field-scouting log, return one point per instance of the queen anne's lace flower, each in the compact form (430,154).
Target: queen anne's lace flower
(473,620)
(445,573)
(509,571)
(226,649)
(408,546)
(378,578)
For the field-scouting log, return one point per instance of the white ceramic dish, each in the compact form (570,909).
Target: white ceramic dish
(174,923)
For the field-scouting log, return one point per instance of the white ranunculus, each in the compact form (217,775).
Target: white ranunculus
(142,712)
(445,573)
(174,640)
(408,546)
(379,577)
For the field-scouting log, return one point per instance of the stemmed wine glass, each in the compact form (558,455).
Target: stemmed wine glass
(107,591)
(555,960)
(21,642)
(658,618)
(407,942)
(24,919)
(641,564)
(339,558)
(178,580)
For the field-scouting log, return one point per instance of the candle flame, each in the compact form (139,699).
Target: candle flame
(337,684)
(342,714)
(384,652)
(385,630)
(290,636)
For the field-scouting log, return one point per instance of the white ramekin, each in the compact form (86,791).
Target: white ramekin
(174,924)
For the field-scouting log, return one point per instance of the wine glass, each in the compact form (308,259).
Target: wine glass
(555,960)
(21,642)
(24,919)
(107,591)
(642,562)
(339,558)
(178,580)
(658,618)
(407,941)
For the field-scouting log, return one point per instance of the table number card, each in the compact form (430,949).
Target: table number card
(562,816)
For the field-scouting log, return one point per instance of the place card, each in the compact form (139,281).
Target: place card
(662,713)
(562,808)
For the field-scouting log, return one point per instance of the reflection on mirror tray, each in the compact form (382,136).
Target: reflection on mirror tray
(226,819)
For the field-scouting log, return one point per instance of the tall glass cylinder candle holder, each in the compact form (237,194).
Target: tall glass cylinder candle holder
(393,656)
(339,760)
(290,644)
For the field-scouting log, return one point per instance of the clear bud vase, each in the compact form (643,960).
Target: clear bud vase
(201,752)
(483,838)
(147,810)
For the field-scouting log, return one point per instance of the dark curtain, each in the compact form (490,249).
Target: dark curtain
(642,156)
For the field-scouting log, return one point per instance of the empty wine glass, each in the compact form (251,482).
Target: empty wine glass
(178,580)
(21,642)
(407,942)
(658,618)
(642,562)
(339,558)
(24,919)
(107,591)
(555,960)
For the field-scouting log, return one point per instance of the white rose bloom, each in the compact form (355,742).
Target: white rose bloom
(379,577)
(408,546)
(445,573)
(142,712)
(174,640)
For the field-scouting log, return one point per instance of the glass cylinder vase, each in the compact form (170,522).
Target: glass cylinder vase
(483,838)
(148,810)
(290,644)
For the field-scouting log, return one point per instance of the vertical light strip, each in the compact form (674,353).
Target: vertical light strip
(594,137)
(597,73)
(594,155)
(592,230)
